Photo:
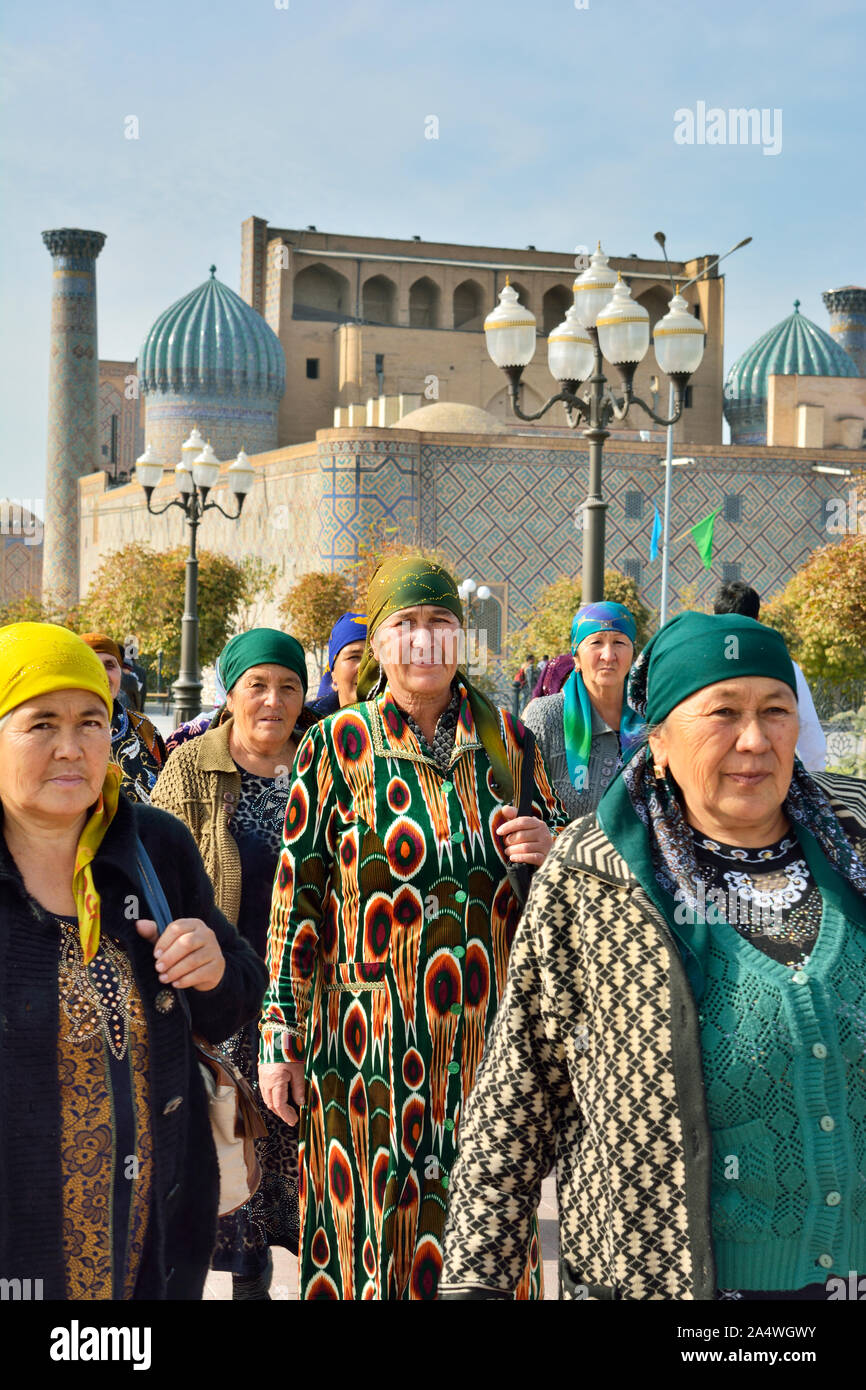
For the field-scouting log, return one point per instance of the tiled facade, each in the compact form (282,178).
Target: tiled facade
(20,551)
(501,509)
(224,421)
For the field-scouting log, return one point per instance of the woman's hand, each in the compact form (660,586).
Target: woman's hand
(527,839)
(187,954)
(280,1083)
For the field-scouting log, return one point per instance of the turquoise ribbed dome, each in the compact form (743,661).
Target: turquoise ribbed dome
(211,341)
(796,346)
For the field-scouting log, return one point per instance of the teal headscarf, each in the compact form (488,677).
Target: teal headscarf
(694,650)
(577,712)
(261,646)
(642,815)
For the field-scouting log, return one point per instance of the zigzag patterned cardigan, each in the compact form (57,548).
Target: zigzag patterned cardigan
(593,1066)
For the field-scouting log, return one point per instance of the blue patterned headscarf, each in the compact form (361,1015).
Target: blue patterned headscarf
(351,627)
(577,712)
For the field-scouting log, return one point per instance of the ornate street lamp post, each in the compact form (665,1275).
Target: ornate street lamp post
(194,483)
(603,321)
(470,594)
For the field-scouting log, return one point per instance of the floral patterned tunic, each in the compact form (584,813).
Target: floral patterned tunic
(106,1143)
(391,924)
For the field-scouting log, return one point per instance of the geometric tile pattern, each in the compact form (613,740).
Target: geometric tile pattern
(371,485)
(509,515)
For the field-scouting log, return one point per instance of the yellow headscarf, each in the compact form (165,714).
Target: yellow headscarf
(38,659)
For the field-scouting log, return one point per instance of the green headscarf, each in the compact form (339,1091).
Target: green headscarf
(261,646)
(694,650)
(404,583)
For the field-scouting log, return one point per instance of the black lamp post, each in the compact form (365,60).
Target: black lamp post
(194,484)
(603,321)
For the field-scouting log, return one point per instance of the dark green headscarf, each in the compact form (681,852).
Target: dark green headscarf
(694,650)
(261,646)
(404,583)
(643,815)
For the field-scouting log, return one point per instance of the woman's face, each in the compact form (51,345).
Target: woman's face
(418,650)
(266,701)
(112,670)
(54,753)
(604,660)
(345,672)
(730,749)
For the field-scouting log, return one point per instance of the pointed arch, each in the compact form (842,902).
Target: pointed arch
(320,293)
(378,299)
(557,300)
(468,305)
(424,298)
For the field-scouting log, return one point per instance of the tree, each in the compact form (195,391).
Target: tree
(383,541)
(140,590)
(26,608)
(313,605)
(822,610)
(549,629)
(260,579)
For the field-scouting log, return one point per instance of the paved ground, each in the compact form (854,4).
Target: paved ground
(285,1284)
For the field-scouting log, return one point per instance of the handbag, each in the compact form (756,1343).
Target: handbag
(520,875)
(233,1111)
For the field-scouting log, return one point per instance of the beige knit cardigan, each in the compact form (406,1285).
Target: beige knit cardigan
(200,784)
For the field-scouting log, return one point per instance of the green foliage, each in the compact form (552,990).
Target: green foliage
(313,605)
(26,608)
(140,590)
(781,615)
(259,582)
(549,629)
(384,542)
(822,612)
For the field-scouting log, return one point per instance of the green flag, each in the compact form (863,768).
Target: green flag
(702,535)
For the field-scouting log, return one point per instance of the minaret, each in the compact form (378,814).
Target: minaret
(847,310)
(73,403)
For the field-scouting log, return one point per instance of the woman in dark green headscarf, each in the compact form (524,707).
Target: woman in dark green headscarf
(692,971)
(391,926)
(231,786)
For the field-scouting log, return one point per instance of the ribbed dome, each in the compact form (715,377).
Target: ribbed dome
(211,341)
(796,346)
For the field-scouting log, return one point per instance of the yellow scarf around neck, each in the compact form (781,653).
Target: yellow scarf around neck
(86,897)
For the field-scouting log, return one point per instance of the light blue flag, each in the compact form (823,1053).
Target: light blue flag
(656,535)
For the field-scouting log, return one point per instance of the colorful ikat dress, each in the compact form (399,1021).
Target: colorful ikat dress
(391,925)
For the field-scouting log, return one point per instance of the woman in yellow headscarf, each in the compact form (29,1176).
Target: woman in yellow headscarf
(108,1175)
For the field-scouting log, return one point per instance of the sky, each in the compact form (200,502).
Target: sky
(556,127)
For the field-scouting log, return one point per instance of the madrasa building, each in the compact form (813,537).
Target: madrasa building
(353,372)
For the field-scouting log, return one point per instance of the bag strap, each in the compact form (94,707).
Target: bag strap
(520,875)
(527,774)
(158,904)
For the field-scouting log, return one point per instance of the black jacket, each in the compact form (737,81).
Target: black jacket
(183,1214)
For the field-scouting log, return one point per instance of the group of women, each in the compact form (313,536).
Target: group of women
(622,939)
